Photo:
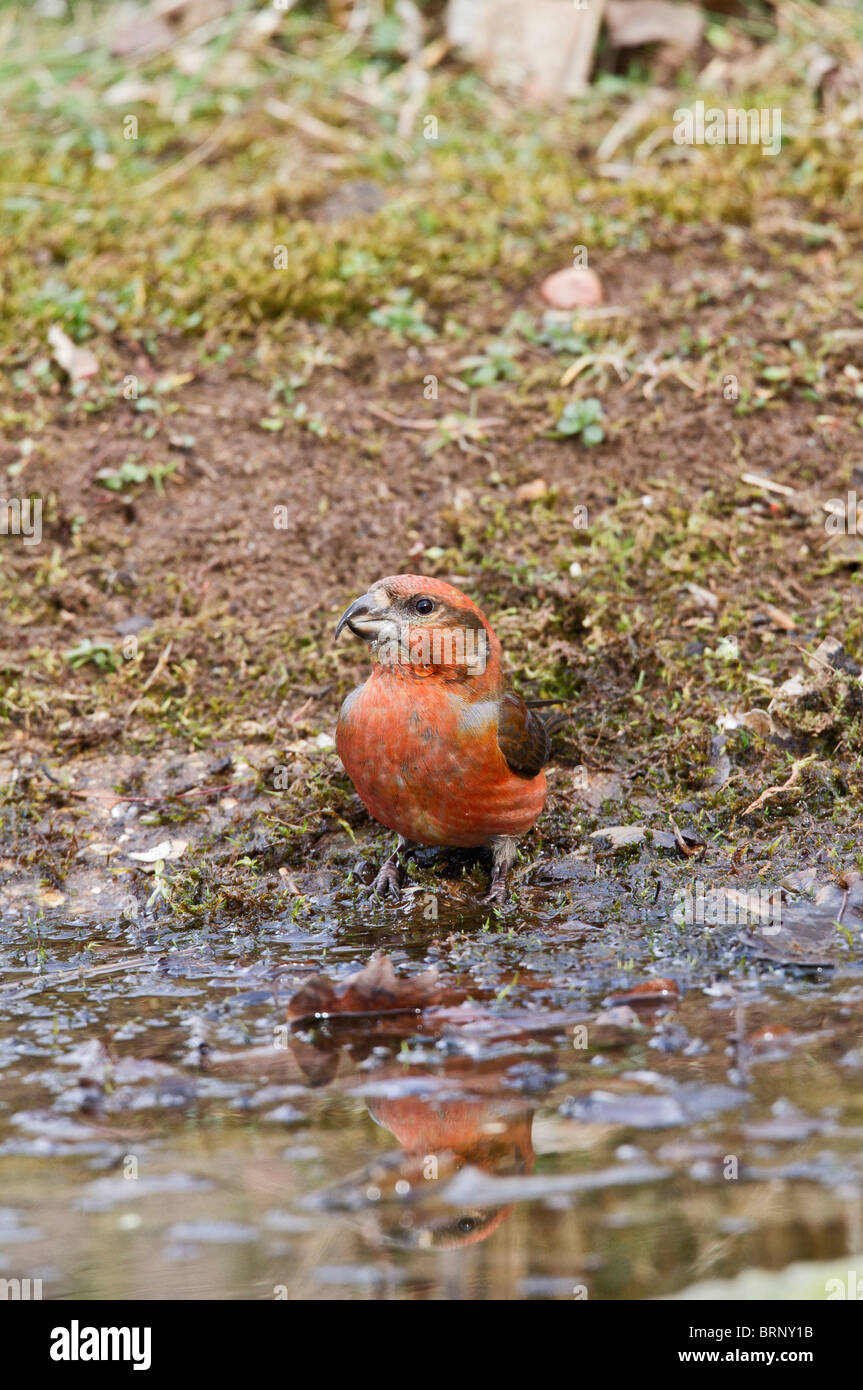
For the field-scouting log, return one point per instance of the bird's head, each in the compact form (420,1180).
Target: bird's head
(424,626)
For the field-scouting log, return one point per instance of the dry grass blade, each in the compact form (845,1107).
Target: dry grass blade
(770,792)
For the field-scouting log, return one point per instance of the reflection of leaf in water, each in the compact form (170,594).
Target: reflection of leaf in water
(375,989)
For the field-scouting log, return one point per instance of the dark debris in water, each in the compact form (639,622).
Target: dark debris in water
(373,990)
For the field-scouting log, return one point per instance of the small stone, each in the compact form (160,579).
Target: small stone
(577,287)
(532,491)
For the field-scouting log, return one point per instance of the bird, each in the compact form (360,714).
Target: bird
(437,746)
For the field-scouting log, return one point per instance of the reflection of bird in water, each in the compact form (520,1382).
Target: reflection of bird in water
(443,1123)
(439,1137)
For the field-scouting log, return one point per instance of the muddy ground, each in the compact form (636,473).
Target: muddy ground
(626,1082)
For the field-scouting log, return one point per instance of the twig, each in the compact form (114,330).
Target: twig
(154,674)
(406,424)
(158,668)
(685,849)
(167,796)
(311,126)
(400,420)
(81,972)
(767,484)
(813,656)
(635,116)
(770,792)
(98,794)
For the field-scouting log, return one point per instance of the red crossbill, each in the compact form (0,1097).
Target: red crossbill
(437,747)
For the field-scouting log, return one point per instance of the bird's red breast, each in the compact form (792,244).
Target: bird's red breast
(422,739)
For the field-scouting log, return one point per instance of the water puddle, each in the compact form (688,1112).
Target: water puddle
(371,1105)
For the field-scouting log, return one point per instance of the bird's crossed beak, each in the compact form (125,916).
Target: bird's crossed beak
(366,618)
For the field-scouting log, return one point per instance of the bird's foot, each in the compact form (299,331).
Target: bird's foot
(390,876)
(496,895)
(503,852)
(388,880)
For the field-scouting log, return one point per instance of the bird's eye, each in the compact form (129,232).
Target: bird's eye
(423,605)
(466,1224)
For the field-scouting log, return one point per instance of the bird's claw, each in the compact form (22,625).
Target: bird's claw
(388,880)
(496,895)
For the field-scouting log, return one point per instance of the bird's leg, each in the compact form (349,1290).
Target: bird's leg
(390,875)
(503,852)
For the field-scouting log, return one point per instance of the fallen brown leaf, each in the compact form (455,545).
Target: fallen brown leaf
(376,989)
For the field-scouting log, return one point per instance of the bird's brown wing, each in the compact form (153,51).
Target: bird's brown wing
(522,736)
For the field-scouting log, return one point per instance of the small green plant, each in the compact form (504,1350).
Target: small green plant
(310,420)
(100,654)
(551,332)
(358,262)
(132,474)
(306,419)
(286,389)
(582,418)
(560,338)
(466,431)
(495,364)
(403,318)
